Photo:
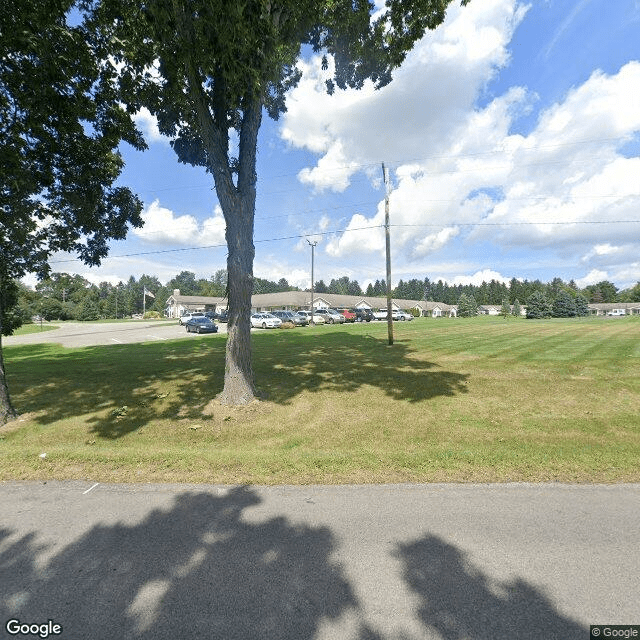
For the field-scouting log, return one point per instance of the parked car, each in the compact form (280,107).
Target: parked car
(317,318)
(185,317)
(331,316)
(363,315)
(223,317)
(265,321)
(401,314)
(212,315)
(201,325)
(349,314)
(291,316)
(380,314)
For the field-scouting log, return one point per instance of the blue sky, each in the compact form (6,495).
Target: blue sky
(512,135)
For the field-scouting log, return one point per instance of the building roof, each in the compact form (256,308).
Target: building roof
(302,299)
(610,306)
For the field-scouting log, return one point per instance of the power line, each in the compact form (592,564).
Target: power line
(224,244)
(515,224)
(367,228)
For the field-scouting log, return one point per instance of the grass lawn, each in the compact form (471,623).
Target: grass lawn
(469,400)
(36,327)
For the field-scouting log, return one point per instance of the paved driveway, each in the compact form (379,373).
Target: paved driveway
(79,334)
(393,562)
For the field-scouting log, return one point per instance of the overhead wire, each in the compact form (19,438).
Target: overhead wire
(367,228)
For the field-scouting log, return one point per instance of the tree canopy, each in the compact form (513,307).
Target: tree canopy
(60,127)
(208,68)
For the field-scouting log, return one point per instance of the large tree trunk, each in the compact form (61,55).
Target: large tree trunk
(238,206)
(7,412)
(238,371)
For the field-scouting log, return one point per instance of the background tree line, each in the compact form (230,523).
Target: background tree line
(62,296)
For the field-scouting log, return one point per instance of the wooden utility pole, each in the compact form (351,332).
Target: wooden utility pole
(385,175)
(313,246)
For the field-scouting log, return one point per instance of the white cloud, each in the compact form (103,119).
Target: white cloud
(435,241)
(148,124)
(592,277)
(612,255)
(417,113)
(163,227)
(486,275)
(363,235)
(461,173)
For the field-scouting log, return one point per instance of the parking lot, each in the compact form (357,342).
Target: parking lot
(77,334)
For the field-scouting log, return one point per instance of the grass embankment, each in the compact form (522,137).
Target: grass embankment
(36,327)
(481,399)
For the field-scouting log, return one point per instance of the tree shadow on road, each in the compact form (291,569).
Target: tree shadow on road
(458,601)
(196,570)
(204,566)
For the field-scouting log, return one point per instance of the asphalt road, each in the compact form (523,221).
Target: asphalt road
(84,334)
(393,562)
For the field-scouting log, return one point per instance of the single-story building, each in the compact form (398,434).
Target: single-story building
(614,308)
(489,309)
(177,304)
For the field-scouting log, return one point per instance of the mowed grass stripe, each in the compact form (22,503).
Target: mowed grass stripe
(484,399)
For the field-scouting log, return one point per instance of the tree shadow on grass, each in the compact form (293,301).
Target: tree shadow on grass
(125,387)
(197,570)
(458,601)
(344,362)
(118,389)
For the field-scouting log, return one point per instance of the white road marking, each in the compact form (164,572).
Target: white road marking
(90,488)
(116,340)
(155,337)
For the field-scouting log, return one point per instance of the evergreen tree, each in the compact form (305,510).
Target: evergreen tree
(564,306)
(467,306)
(538,306)
(88,310)
(505,311)
(354,288)
(517,308)
(581,306)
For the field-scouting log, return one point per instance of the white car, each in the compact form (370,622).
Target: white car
(318,319)
(401,315)
(265,321)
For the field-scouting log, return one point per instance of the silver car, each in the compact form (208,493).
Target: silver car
(290,316)
(331,316)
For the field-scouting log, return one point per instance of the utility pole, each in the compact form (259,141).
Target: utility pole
(385,175)
(313,246)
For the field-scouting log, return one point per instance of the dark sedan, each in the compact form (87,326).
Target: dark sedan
(201,325)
